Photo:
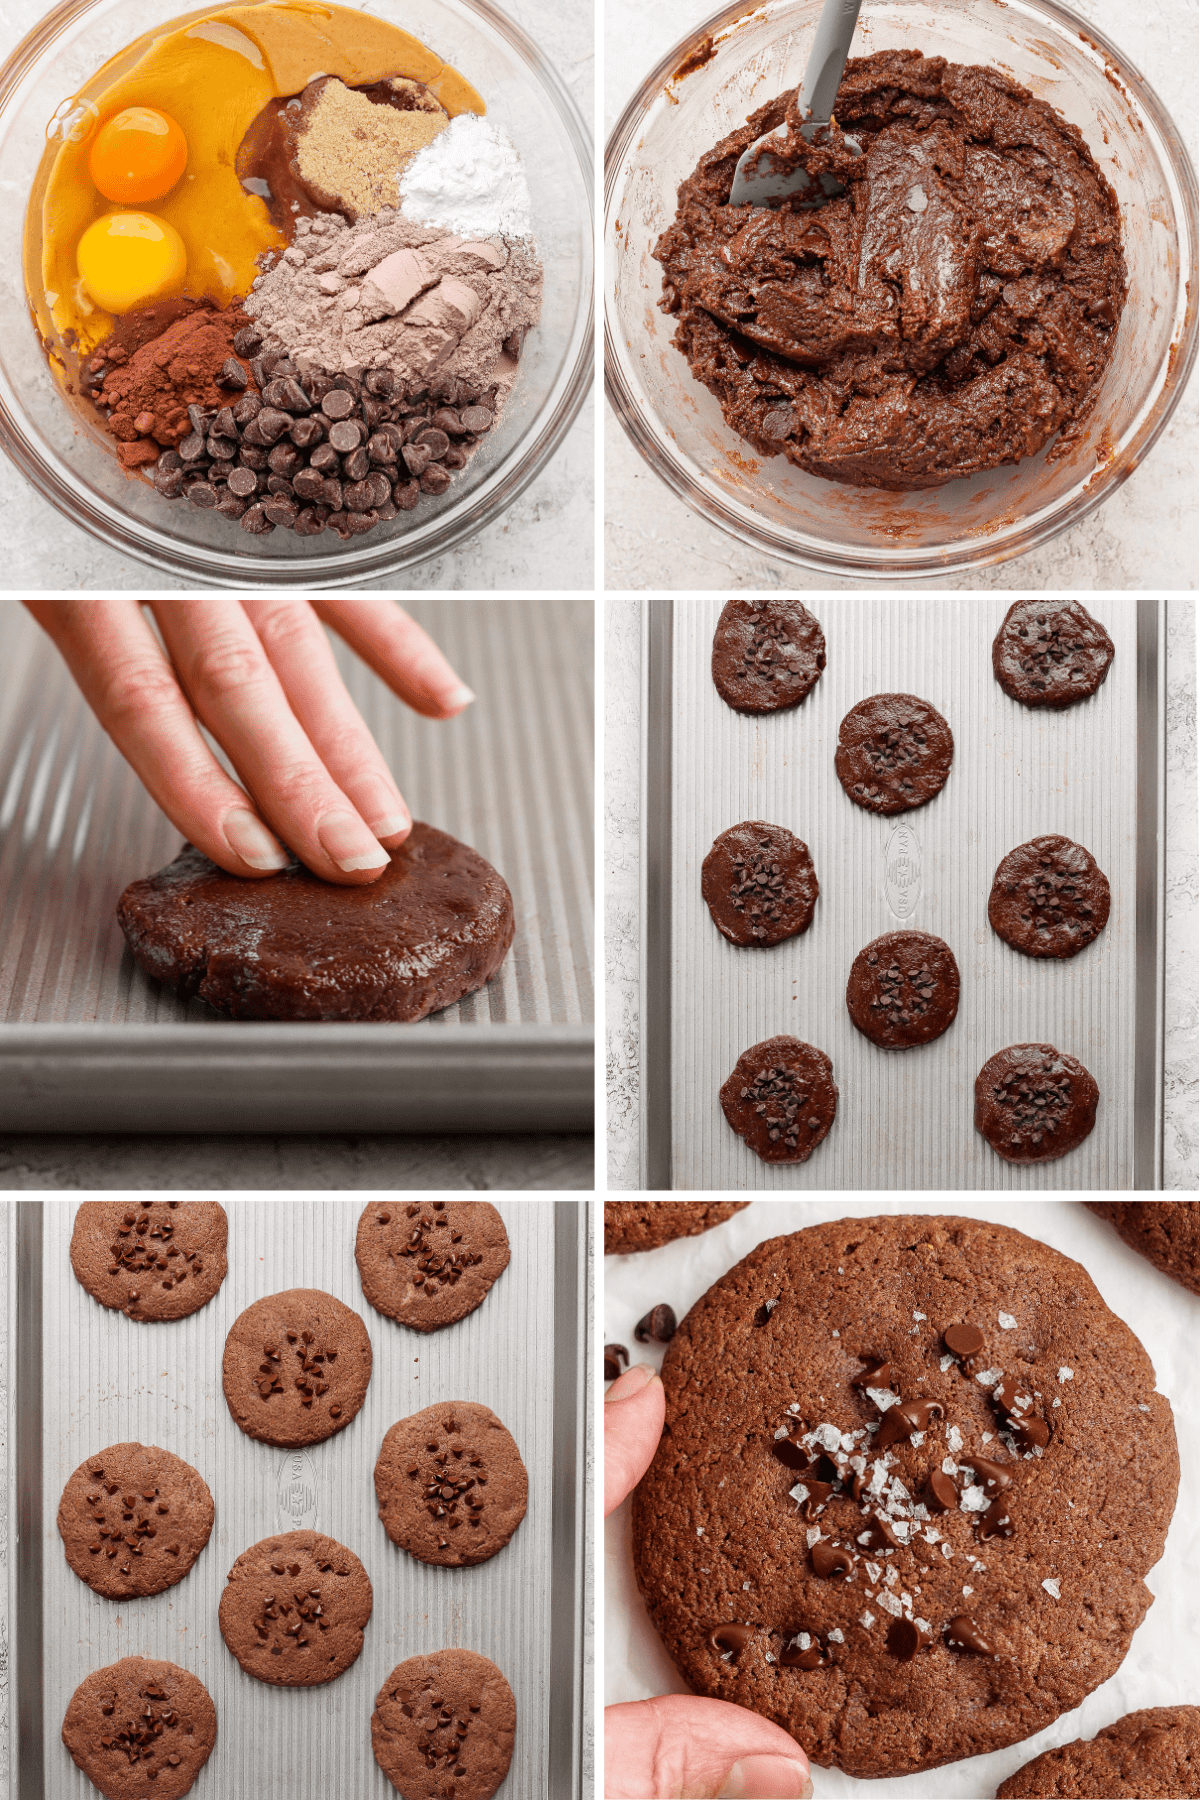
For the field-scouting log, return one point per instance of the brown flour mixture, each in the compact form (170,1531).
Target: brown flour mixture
(953,310)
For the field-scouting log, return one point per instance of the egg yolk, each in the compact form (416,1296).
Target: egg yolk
(137,155)
(128,259)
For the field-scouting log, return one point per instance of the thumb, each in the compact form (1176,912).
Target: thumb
(634,1410)
(680,1747)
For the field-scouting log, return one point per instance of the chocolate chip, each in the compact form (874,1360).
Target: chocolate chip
(815,1657)
(997,1521)
(614,1356)
(477,418)
(248,341)
(995,1476)
(271,424)
(731,1637)
(878,1535)
(963,1633)
(875,1374)
(416,457)
(963,1340)
(828,1559)
(232,374)
(905,1417)
(659,1324)
(1032,1433)
(790,1455)
(201,494)
(435,480)
(337,404)
(905,1637)
(941,1495)
(346,435)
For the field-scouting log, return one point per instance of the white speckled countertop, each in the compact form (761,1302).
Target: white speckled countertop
(544,540)
(1144,536)
(622,928)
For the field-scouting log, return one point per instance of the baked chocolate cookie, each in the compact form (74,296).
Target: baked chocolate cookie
(912,1477)
(140,1730)
(436,925)
(1049,898)
(153,1259)
(1033,1103)
(759,884)
(781,1099)
(1050,653)
(903,989)
(894,753)
(296,1367)
(428,1263)
(133,1519)
(631,1225)
(766,654)
(443,1727)
(1149,1755)
(295,1608)
(1165,1232)
(451,1485)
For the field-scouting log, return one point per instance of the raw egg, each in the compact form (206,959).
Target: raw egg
(137,155)
(128,259)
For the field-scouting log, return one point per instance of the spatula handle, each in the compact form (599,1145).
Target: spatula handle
(827,59)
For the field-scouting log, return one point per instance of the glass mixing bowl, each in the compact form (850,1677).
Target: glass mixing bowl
(676,423)
(65,455)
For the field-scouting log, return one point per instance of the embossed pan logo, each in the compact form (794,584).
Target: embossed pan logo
(296,1494)
(902,871)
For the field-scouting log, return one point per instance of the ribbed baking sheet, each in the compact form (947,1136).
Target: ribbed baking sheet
(904,1120)
(511,776)
(104,1379)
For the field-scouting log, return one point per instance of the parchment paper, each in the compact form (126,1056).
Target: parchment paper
(1164,1657)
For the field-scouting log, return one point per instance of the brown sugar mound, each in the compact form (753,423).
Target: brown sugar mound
(354,150)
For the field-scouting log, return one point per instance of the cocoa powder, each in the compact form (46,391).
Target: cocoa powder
(147,389)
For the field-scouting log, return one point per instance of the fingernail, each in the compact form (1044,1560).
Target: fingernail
(385,828)
(381,806)
(457,698)
(767,1778)
(345,839)
(631,1382)
(249,838)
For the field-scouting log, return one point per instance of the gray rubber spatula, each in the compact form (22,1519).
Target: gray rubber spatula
(758,176)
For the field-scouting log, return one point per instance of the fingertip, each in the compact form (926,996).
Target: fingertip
(767,1778)
(252,844)
(457,698)
(633,1381)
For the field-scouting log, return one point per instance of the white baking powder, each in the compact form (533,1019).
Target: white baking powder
(468,180)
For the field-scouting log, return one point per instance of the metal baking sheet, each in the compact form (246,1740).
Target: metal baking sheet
(86,1377)
(88,1042)
(1093,772)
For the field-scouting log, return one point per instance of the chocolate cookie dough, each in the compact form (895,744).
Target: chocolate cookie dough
(631,1225)
(1049,898)
(903,989)
(436,925)
(296,1367)
(133,1519)
(951,311)
(295,1608)
(1149,1755)
(1050,653)
(140,1730)
(451,1485)
(155,1259)
(766,655)
(759,884)
(781,1099)
(1033,1103)
(912,1478)
(1165,1232)
(429,1263)
(894,753)
(443,1727)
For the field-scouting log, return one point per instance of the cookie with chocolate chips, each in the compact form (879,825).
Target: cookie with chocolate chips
(631,1225)
(1148,1755)
(767,654)
(296,1367)
(451,1485)
(1165,1232)
(1049,898)
(759,884)
(1034,1103)
(443,1727)
(781,1099)
(295,1608)
(903,989)
(429,1263)
(140,1729)
(894,753)
(912,1477)
(133,1519)
(1050,653)
(155,1259)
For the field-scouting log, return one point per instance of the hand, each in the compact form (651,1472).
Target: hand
(260,675)
(678,1745)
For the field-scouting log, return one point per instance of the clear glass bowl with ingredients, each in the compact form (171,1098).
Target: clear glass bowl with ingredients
(67,455)
(676,424)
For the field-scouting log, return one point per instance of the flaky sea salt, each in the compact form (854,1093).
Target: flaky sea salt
(874,1571)
(890,1604)
(782,1433)
(835,1636)
(1056,1401)
(799,1493)
(945,1363)
(868,1618)
(918,1315)
(813,1535)
(974,1499)
(989,1377)
(967,1590)
(1065,1374)
(954,1439)
(932,1534)
(891,1575)
(1007,1322)
(883,1397)
(745,1587)
(947,1551)
(1051,1587)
